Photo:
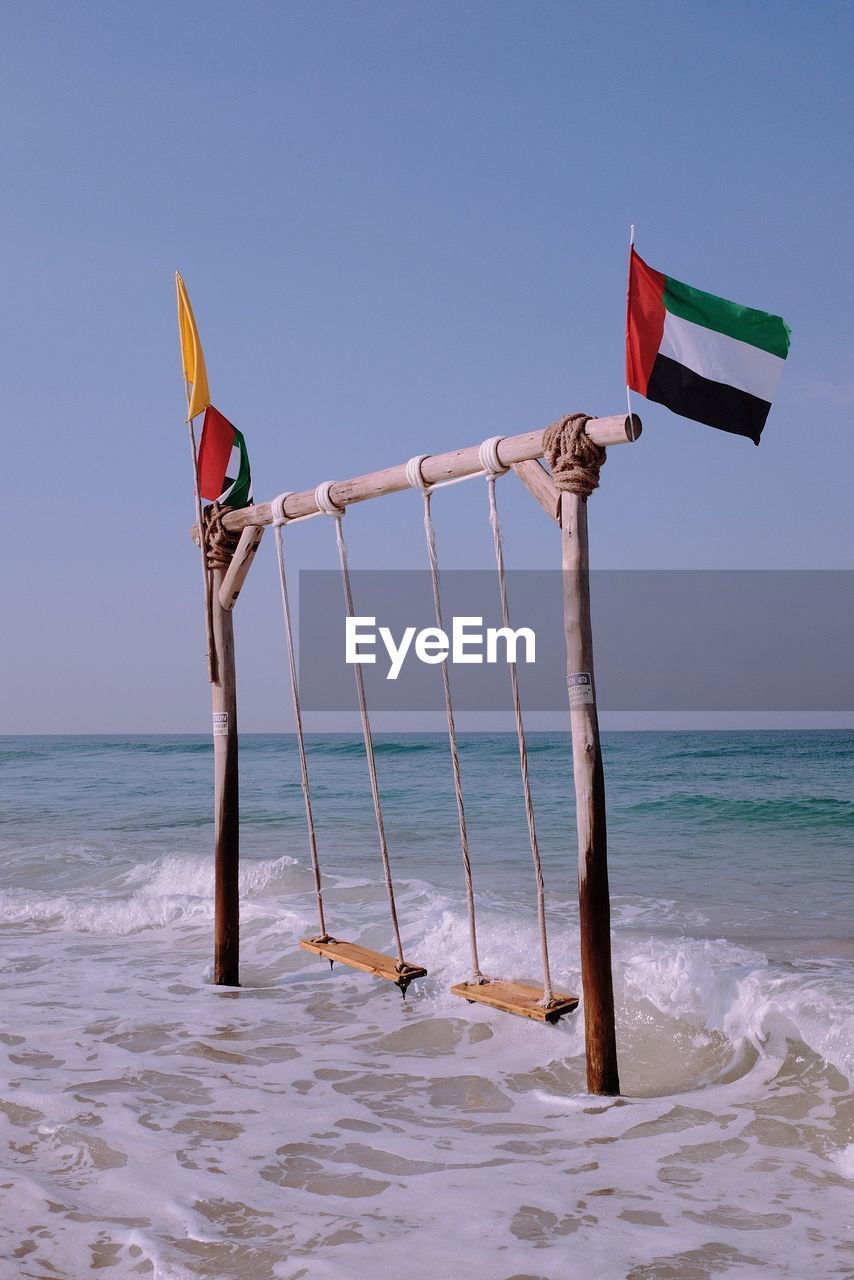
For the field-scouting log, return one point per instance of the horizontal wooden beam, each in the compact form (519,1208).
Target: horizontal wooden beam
(619,428)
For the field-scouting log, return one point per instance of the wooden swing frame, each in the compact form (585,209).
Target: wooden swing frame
(522,454)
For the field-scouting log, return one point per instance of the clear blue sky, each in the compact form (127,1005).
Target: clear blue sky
(403,227)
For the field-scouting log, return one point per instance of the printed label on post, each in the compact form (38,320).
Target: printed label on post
(580,687)
(220,724)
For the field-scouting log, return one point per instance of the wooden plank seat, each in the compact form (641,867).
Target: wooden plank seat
(517,997)
(376,963)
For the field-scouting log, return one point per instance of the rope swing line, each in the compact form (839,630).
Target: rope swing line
(575,462)
(325,504)
(279,520)
(492,468)
(417,481)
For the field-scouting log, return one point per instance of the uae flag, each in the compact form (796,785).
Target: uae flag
(224,474)
(701,356)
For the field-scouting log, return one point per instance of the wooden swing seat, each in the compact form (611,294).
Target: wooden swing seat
(376,963)
(517,997)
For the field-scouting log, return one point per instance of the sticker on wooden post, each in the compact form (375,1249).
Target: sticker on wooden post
(580,686)
(220,724)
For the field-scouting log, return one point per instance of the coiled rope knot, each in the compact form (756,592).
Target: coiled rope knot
(574,458)
(323,500)
(220,543)
(277,506)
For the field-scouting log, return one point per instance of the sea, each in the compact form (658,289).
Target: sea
(312,1123)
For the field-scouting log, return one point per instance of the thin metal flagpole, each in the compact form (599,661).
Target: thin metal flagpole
(213,672)
(628,301)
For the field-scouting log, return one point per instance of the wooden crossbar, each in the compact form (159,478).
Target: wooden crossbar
(619,428)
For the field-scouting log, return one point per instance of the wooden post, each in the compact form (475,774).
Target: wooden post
(241,562)
(226,970)
(593,899)
(539,483)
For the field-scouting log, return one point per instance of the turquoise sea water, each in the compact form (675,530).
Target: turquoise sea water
(312,1124)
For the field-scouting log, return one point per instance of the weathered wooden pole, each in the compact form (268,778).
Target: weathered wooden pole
(226,970)
(593,898)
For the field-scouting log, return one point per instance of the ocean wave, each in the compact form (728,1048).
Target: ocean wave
(711,986)
(808,811)
(719,986)
(194,875)
(108,917)
(382,746)
(151,747)
(12,755)
(156,895)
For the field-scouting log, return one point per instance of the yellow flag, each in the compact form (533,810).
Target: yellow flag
(192,355)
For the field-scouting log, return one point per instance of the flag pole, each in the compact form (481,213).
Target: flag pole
(213,674)
(628,388)
(221,674)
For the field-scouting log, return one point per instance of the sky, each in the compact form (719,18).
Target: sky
(404,228)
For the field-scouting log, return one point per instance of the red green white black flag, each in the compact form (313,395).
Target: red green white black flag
(700,355)
(224,473)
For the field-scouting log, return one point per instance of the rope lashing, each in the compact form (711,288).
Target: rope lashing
(324,501)
(417,481)
(280,516)
(494,467)
(279,520)
(575,459)
(490,463)
(328,507)
(277,506)
(414,478)
(220,543)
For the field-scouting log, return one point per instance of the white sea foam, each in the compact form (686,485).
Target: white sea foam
(193,877)
(844,1161)
(164,893)
(735,990)
(313,1124)
(144,911)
